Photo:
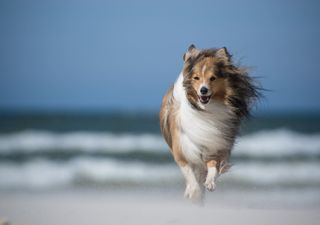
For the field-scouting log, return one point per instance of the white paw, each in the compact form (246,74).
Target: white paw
(210,185)
(211,179)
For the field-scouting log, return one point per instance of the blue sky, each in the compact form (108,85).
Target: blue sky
(100,55)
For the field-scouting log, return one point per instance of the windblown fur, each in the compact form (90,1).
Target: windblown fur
(200,129)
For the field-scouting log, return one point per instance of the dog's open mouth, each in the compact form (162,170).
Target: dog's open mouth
(204,99)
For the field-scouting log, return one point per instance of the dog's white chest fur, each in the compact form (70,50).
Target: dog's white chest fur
(201,132)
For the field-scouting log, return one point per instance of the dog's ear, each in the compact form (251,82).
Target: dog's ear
(192,52)
(223,55)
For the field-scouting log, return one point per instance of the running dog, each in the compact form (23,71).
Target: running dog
(201,113)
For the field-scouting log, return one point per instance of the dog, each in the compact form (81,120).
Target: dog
(201,113)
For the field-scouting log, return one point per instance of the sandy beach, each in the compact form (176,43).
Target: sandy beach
(138,208)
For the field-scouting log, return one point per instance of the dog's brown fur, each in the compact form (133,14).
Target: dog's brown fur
(236,88)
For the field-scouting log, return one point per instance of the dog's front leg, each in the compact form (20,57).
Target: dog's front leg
(211,175)
(193,188)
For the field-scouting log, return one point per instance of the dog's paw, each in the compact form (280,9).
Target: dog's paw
(210,182)
(210,185)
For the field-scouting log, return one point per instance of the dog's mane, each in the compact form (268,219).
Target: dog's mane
(244,89)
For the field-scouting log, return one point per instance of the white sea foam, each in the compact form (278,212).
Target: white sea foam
(295,173)
(44,174)
(86,141)
(274,143)
(278,143)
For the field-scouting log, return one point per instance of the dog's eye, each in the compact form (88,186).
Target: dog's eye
(212,78)
(196,78)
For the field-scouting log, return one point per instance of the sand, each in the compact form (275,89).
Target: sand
(79,208)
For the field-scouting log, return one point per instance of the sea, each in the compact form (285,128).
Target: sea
(276,154)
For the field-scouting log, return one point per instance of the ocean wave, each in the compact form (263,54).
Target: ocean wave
(46,174)
(277,173)
(270,143)
(34,141)
(280,142)
(43,174)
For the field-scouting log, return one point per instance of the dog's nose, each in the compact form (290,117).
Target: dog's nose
(204,90)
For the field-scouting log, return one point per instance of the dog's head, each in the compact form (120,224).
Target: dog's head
(210,75)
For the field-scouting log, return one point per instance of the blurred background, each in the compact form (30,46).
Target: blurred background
(81,84)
